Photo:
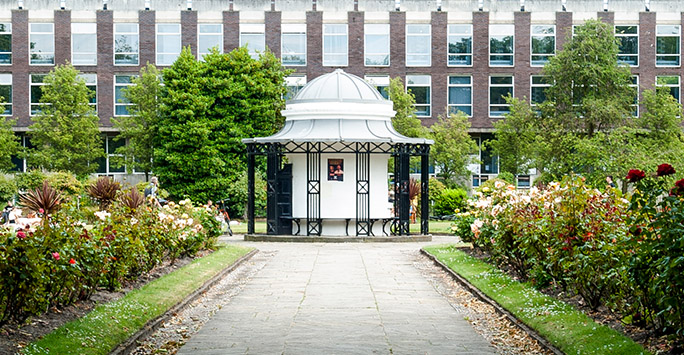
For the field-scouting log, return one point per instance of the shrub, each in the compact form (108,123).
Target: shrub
(44,200)
(436,188)
(132,199)
(30,180)
(65,182)
(449,202)
(104,191)
(8,188)
(507,177)
(237,194)
(461,226)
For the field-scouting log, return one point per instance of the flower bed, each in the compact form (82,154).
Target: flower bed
(70,253)
(625,254)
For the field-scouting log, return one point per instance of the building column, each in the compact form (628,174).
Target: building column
(189,30)
(250,188)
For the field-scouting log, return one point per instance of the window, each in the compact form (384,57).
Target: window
(121,103)
(293,44)
(460,43)
(488,167)
(501,45)
(419,85)
(253,37)
(628,48)
(109,163)
(523,181)
(168,43)
(538,86)
(335,45)
(210,36)
(543,44)
(671,81)
(294,83)
(91,83)
(5,43)
(36,92)
(126,47)
(42,43)
(499,87)
(84,44)
(418,45)
(377,45)
(461,94)
(6,93)
(381,82)
(635,85)
(667,45)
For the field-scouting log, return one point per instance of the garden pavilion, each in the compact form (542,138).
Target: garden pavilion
(327,169)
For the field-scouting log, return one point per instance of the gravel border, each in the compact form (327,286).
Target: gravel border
(484,298)
(132,343)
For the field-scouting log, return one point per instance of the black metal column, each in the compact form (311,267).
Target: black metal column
(250,189)
(363,225)
(424,190)
(272,167)
(404,197)
(313,189)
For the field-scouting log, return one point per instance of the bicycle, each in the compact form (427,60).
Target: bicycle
(223,212)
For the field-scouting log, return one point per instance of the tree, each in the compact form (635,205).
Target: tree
(405,120)
(9,142)
(138,129)
(65,132)
(453,148)
(207,109)
(513,138)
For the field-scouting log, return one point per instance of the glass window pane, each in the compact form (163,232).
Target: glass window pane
(459,95)
(497,94)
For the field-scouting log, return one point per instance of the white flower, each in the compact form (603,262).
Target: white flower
(134,221)
(499,184)
(184,216)
(102,215)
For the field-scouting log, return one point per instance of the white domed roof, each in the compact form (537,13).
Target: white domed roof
(338,86)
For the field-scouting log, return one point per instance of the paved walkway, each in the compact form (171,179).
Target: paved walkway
(338,299)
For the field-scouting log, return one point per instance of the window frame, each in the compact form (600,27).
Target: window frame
(127,104)
(76,33)
(387,51)
(533,86)
(6,80)
(635,84)
(679,47)
(429,96)
(346,44)
(678,85)
(253,29)
(31,33)
(200,55)
(294,80)
(489,92)
(379,81)
(137,49)
(450,85)
(532,38)
(298,29)
(450,35)
(7,31)
(493,35)
(86,77)
(636,55)
(427,37)
(31,85)
(159,34)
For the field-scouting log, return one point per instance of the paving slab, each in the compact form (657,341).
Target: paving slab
(338,299)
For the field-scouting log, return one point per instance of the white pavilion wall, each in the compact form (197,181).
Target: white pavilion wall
(338,198)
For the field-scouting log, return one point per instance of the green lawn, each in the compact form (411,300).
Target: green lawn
(436,227)
(570,330)
(108,325)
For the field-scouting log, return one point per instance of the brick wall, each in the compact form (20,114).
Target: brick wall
(189,30)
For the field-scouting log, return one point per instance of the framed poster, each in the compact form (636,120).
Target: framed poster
(335,169)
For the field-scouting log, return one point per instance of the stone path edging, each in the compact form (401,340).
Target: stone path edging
(131,343)
(484,298)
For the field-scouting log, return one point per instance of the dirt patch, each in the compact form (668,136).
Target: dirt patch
(14,337)
(645,336)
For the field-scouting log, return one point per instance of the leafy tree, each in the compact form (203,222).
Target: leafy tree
(65,132)
(138,129)
(453,148)
(513,138)
(9,142)
(207,108)
(405,120)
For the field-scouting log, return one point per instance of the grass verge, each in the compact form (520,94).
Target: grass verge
(101,330)
(567,328)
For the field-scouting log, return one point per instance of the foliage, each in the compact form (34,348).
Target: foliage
(657,263)
(132,199)
(449,202)
(405,120)
(207,108)
(64,181)
(30,180)
(514,138)
(237,196)
(9,142)
(453,148)
(65,132)
(8,188)
(436,188)
(44,200)
(507,177)
(104,190)
(138,129)
(461,226)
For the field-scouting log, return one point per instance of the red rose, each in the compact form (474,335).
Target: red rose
(678,190)
(72,261)
(41,211)
(665,169)
(680,184)
(55,255)
(635,175)
(21,235)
